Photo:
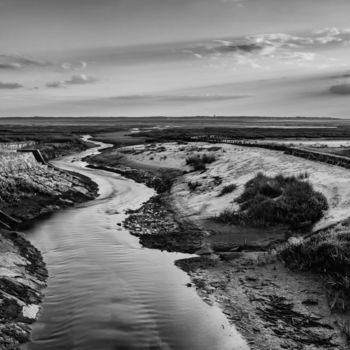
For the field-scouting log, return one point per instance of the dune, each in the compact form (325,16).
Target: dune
(237,165)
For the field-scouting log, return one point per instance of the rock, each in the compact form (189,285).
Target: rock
(22,278)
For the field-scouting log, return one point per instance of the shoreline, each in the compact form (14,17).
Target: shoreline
(22,281)
(23,272)
(46,209)
(157,223)
(256,292)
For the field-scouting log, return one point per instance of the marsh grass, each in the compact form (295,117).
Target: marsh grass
(193,185)
(304,175)
(217,180)
(198,162)
(326,253)
(268,201)
(227,189)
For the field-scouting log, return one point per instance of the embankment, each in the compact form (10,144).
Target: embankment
(302,152)
(29,190)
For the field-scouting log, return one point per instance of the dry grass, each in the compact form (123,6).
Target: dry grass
(277,200)
(198,162)
(327,253)
(193,186)
(227,189)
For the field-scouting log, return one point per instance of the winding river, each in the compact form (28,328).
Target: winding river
(105,291)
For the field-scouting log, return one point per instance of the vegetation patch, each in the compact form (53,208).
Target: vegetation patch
(277,200)
(214,149)
(227,189)
(217,180)
(193,185)
(303,176)
(198,162)
(327,253)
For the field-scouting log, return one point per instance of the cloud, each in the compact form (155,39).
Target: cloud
(341,76)
(17,62)
(228,46)
(81,65)
(20,62)
(262,50)
(340,89)
(10,86)
(80,79)
(55,84)
(175,98)
(10,65)
(332,31)
(77,79)
(154,100)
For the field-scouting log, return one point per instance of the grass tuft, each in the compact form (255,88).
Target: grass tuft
(303,176)
(198,162)
(227,189)
(193,185)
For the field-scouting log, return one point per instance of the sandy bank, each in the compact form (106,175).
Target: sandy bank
(237,165)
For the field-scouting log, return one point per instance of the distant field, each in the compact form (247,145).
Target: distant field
(119,138)
(118,123)
(117,130)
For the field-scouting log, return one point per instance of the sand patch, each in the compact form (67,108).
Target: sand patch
(237,165)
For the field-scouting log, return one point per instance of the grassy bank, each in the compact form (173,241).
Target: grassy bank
(327,254)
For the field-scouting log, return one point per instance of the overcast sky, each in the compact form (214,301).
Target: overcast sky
(174,57)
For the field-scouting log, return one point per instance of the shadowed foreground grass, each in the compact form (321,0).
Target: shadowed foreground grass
(326,253)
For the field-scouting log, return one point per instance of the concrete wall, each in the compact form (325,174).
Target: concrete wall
(14,146)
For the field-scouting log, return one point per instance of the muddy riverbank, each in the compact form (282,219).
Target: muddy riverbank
(41,191)
(156,223)
(22,278)
(28,192)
